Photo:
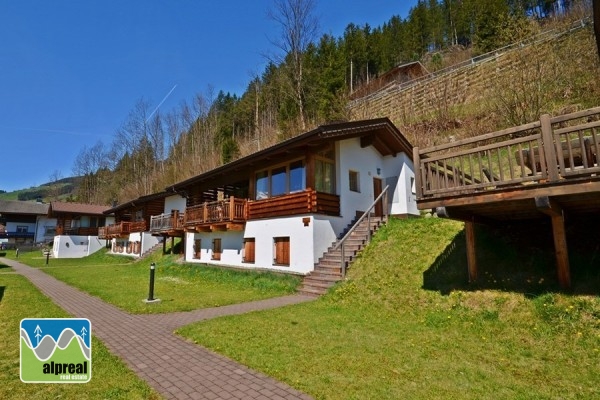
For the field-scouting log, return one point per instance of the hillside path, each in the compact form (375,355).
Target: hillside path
(174,367)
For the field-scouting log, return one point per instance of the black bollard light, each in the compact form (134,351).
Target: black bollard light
(151,290)
(47,257)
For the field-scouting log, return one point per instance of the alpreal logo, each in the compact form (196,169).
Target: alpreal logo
(56,350)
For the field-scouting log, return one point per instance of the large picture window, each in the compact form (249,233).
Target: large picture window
(280,180)
(325,176)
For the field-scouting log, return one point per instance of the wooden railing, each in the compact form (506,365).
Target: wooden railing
(305,202)
(546,151)
(166,222)
(80,231)
(381,199)
(230,210)
(121,229)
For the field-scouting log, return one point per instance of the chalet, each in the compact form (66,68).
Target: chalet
(547,169)
(25,223)
(283,207)
(76,228)
(130,233)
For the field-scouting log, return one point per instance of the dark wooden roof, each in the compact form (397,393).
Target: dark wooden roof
(140,201)
(23,207)
(57,207)
(381,133)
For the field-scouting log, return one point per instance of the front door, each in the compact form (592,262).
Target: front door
(377,189)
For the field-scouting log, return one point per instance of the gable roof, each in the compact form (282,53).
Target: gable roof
(137,202)
(76,208)
(381,133)
(23,207)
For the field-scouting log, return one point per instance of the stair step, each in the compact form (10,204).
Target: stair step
(311,292)
(318,284)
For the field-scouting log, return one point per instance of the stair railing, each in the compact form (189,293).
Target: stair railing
(367,214)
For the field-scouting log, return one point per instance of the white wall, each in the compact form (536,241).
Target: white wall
(144,239)
(394,171)
(175,202)
(71,246)
(40,231)
(307,243)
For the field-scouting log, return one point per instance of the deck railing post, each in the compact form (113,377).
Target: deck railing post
(368,226)
(418,172)
(231,208)
(549,149)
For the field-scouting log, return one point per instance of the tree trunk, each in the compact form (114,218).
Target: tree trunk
(597,24)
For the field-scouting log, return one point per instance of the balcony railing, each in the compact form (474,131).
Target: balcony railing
(121,229)
(548,151)
(222,211)
(165,223)
(305,202)
(80,231)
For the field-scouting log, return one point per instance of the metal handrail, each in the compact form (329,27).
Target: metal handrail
(367,214)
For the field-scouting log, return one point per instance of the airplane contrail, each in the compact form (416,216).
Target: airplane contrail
(160,104)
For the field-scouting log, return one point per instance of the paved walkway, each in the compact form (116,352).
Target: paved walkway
(174,367)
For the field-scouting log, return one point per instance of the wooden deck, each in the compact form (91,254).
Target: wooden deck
(547,168)
(122,229)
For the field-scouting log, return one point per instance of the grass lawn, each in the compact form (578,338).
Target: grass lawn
(124,282)
(405,324)
(111,379)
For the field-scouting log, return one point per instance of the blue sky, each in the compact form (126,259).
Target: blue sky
(72,70)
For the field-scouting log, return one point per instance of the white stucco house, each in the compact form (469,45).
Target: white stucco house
(76,228)
(281,208)
(129,234)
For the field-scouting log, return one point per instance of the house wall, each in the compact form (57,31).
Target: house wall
(72,246)
(135,245)
(175,202)
(44,225)
(393,171)
(307,243)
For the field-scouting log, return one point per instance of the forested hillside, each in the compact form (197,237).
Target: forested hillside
(309,84)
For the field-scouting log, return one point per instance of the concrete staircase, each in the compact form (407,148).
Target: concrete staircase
(328,269)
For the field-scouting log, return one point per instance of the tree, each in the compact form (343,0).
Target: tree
(299,28)
(597,23)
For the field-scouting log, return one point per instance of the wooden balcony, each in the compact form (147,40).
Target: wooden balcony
(305,202)
(80,231)
(222,215)
(170,224)
(554,154)
(121,229)
(546,169)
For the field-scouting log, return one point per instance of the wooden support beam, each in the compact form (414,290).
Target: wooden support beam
(471,254)
(550,207)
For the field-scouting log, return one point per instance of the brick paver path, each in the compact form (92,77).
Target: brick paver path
(174,367)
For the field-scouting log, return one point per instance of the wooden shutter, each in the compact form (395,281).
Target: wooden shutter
(249,245)
(197,248)
(216,249)
(282,250)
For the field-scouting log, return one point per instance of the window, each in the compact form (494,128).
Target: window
(297,176)
(324,176)
(354,182)
(281,180)
(281,250)
(22,229)
(197,249)
(249,245)
(262,185)
(216,250)
(50,230)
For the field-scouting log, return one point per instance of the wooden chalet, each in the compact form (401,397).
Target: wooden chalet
(545,169)
(77,218)
(132,221)
(270,208)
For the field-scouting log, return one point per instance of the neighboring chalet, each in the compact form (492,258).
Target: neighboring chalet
(130,233)
(25,223)
(545,169)
(76,228)
(283,207)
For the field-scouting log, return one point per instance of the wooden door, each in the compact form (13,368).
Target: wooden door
(377,189)
(282,251)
